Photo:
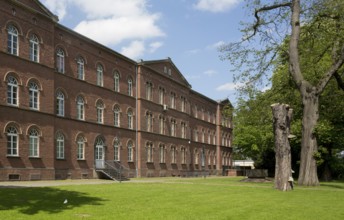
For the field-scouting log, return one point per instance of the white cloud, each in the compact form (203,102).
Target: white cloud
(154,46)
(57,7)
(215,5)
(134,50)
(210,73)
(111,22)
(216,45)
(229,87)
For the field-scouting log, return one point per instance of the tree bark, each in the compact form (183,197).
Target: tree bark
(281,124)
(308,168)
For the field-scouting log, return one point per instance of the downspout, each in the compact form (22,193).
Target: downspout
(136,121)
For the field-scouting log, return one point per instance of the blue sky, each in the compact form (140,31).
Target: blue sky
(187,31)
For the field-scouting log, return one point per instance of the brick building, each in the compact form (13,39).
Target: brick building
(71,107)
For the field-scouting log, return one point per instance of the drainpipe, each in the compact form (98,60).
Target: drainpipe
(136,121)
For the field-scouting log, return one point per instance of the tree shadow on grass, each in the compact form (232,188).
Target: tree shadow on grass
(336,186)
(30,201)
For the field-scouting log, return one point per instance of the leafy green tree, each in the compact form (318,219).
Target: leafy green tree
(313,31)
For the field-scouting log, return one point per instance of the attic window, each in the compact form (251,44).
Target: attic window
(14,11)
(169,72)
(165,69)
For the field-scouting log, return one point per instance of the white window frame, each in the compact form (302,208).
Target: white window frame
(33,96)
(60,146)
(34,48)
(60,103)
(100,75)
(12,40)
(80,68)
(80,148)
(12,141)
(33,143)
(60,60)
(12,91)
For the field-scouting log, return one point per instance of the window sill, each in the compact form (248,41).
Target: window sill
(61,159)
(81,160)
(12,156)
(35,158)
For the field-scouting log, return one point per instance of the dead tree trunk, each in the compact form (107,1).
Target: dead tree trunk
(281,124)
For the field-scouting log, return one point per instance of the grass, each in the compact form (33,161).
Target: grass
(173,198)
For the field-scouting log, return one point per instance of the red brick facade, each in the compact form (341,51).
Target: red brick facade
(166,134)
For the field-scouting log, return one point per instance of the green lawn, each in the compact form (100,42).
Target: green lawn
(173,198)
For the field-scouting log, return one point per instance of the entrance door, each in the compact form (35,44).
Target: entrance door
(99,154)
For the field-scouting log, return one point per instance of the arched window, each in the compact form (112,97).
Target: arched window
(100,71)
(60,60)
(60,103)
(149,91)
(173,155)
(130,87)
(116,148)
(100,112)
(12,141)
(162,153)
(130,151)
(12,40)
(183,155)
(149,147)
(130,119)
(80,107)
(81,147)
(33,96)
(34,48)
(116,113)
(12,91)
(80,68)
(34,143)
(116,81)
(60,146)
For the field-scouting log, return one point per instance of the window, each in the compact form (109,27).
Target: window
(100,112)
(196,111)
(183,129)
(12,141)
(161,124)
(149,121)
(60,146)
(130,151)
(195,135)
(183,155)
(173,155)
(162,153)
(60,60)
(149,91)
(149,147)
(34,143)
(209,137)
(130,119)
(12,91)
(116,148)
(12,40)
(81,147)
(161,95)
(33,96)
(60,100)
(116,116)
(80,68)
(116,82)
(203,136)
(173,127)
(80,107)
(100,71)
(183,104)
(34,48)
(203,114)
(130,87)
(173,100)
(196,157)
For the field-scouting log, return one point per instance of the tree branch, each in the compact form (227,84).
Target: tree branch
(265,8)
(339,79)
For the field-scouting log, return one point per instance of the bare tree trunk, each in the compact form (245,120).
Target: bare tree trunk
(281,121)
(308,168)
